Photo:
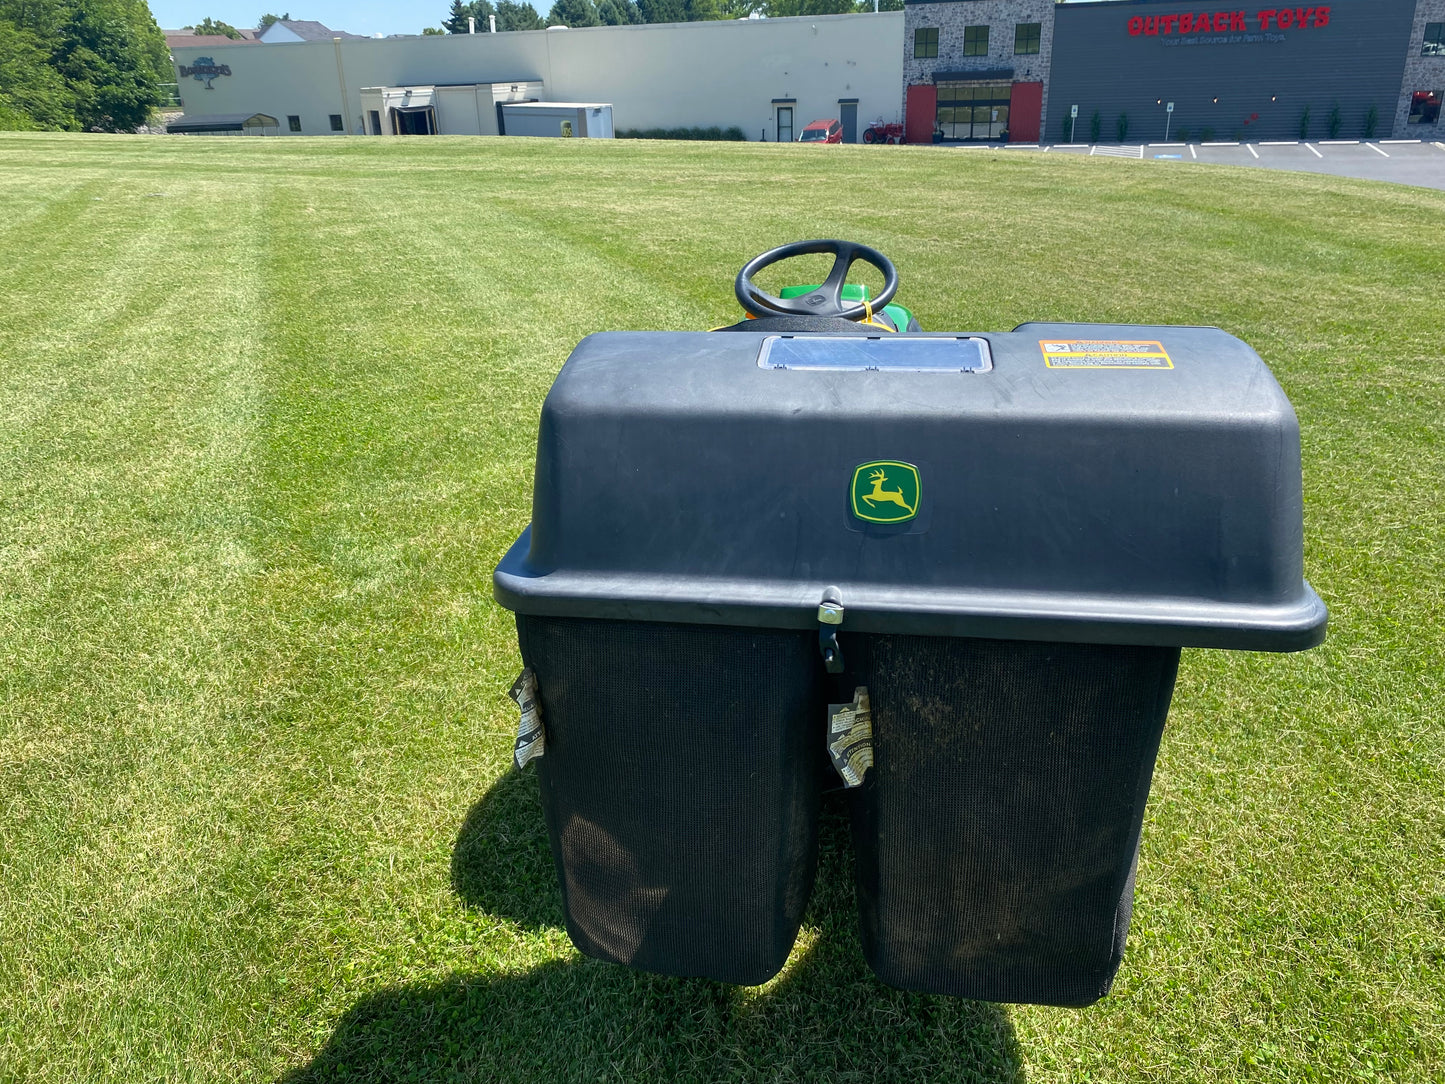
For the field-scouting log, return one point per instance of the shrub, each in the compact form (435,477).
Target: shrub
(1096,123)
(1122,126)
(1304,123)
(715,134)
(1206,134)
(1182,134)
(1372,121)
(1335,121)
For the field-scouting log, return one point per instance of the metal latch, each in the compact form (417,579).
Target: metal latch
(830,616)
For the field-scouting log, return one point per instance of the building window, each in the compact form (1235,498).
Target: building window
(1425,107)
(1026,37)
(975,41)
(294,123)
(375,121)
(972,111)
(336,122)
(1434,40)
(925,42)
(785,124)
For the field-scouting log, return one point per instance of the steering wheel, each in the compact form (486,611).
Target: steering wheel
(827,299)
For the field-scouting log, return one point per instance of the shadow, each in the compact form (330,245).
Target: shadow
(825,1017)
(502,862)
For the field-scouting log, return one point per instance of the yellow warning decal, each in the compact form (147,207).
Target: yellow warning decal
(1104,354)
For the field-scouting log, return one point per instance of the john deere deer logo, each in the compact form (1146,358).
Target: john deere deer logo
(885,492)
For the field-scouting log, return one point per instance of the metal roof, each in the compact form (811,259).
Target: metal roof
(310,30)
(221,122)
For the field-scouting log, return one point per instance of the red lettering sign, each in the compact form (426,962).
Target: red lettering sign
(1227,22)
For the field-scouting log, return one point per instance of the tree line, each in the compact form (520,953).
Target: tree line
(523,16)
(80,65)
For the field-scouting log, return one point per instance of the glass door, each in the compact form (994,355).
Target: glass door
(785,124)
(973,112)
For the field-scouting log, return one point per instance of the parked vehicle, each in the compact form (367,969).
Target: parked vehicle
(822,131)
(878,132)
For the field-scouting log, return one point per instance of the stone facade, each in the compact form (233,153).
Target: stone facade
(1421,73)
(1000,16)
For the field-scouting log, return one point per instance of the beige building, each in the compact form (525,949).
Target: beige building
(768,77)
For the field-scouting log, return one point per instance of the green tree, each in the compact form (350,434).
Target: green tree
(704,11)
(461,10)
(618,13)
(433,32)
(266,20)
(883,5)
(572,13)
(216,27)
(663,11)
(517,16)
(777,9)
(114,58)
(32,93)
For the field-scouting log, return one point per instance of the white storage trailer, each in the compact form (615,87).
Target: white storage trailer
(590,120)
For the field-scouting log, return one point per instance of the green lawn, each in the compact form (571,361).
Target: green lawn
(267,410)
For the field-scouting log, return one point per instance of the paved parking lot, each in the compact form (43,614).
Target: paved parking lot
(1417,162)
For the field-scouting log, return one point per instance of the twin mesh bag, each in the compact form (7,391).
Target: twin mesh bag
(1005,538)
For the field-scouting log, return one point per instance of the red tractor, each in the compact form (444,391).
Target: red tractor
(878,132)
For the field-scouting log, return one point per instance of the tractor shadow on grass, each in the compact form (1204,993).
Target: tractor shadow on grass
(825,1018)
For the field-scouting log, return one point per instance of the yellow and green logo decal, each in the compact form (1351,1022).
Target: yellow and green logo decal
(885,492)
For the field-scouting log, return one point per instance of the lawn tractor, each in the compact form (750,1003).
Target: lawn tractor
(945,574)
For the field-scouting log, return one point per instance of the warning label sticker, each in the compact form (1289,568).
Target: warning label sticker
(850,737)
(1104,354)
(531,738)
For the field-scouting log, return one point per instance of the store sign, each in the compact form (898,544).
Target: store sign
(1229,22)
(204,69)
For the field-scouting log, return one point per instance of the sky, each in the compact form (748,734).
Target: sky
(357,16)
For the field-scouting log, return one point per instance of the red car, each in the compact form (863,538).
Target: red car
(822,131)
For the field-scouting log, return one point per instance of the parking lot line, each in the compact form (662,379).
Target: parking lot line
(1192,153)
(1440,146)
(1314,152)
(1376,149)
(1279,142)
(1338,142)
(1399,141)
(1221,143)
(1252,150)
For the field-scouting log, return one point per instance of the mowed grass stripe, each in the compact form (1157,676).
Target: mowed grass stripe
(254,734)
(135,476)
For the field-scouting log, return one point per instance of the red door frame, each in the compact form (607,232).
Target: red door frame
(1026,105)
(919,113)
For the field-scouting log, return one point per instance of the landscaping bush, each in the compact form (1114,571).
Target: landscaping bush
(716,134)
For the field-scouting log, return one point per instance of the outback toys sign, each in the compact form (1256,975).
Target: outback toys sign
(1229,22)
(204,69)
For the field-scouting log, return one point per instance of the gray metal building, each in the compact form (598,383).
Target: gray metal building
(1348,69)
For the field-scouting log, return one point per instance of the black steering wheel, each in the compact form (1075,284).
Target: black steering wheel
(827,299)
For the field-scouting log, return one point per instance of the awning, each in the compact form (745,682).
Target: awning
(992,75)
(223,122)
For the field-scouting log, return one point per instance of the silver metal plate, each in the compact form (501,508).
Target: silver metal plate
(890,353)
